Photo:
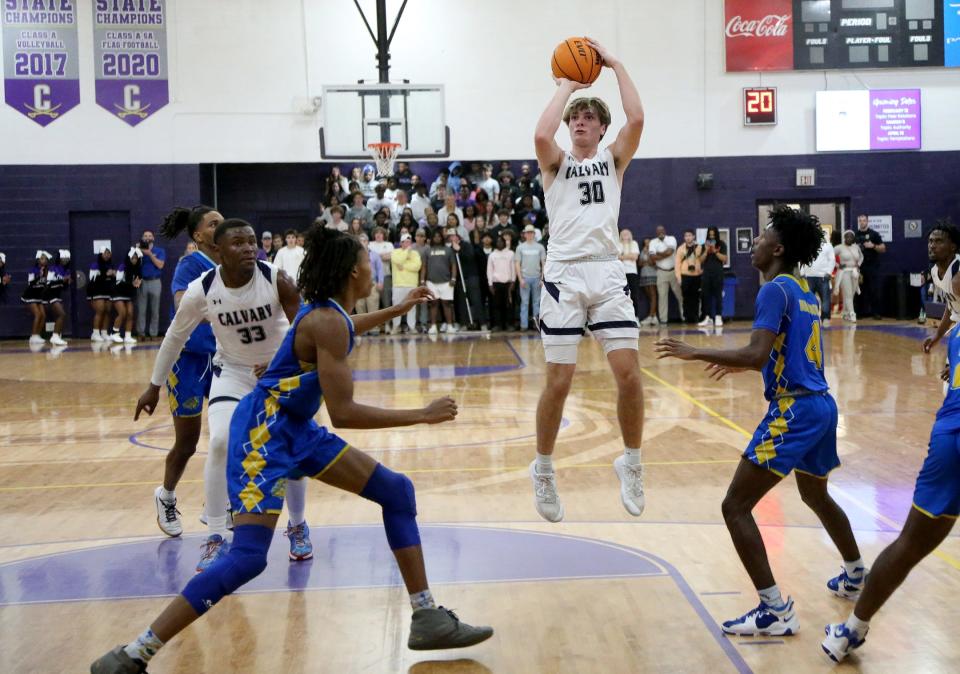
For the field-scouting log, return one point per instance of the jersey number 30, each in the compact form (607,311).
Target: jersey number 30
(253,334)
(591,193)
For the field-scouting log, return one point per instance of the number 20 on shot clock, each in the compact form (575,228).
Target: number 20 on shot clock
(759,106)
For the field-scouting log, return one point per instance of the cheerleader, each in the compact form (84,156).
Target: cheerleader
(44,292)
(100,289)
(128,279)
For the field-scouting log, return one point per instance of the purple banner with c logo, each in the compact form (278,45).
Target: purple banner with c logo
(130,57)
(41,77)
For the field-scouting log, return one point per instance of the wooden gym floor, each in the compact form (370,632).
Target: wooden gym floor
(83,566)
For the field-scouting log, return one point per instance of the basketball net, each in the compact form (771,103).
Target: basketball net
(384,155)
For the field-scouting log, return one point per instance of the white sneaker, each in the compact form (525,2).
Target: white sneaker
(36,339)
(444,328)
(840,641)
(825,322)
(705,322)
(453,329)
(631,485)
(105,335)
(766,621)
(57,340)
(718,322)
(117,337)
(168,517)
(129,339)
(94,336)
(432,330)
(545,496)
(853,318)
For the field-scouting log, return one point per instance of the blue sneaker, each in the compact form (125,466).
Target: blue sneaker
(300,546)
(213,549)
(846,587)
(840,641)
(765,620)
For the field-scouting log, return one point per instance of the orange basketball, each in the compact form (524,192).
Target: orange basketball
(574,59)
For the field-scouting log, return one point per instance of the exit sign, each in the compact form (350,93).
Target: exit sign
(759,106)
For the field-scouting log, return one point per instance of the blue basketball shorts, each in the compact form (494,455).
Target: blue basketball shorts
(268,447)
(189,383)
(797,434)
(937,492)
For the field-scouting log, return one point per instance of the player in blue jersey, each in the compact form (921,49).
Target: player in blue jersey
(273,438)
(189,382)
(936,506)
(799,431)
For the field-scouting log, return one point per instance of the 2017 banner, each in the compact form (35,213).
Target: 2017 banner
(130,57)
(41,78)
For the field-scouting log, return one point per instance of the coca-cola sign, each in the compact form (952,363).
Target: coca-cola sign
(772,25)
(759,35)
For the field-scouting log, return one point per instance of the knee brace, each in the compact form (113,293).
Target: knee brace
(246,559)
(394,492)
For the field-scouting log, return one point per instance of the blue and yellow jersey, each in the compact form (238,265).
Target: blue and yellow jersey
(786,307)
(948,416)
(189,268)
(290,384)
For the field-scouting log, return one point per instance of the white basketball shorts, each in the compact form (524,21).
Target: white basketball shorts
(231,383)
(591,294)
(442,291)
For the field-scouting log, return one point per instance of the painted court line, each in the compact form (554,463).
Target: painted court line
(839,491)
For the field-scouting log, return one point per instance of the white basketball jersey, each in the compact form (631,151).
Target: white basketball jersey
(248,322)
(583,204)
(944,286)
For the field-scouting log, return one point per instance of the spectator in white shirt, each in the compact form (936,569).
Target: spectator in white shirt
(420,202)
(662,250)
(290,257)
(850,257)
(384,249)
(401,204)
(450,206)
(818,275)
(488,184)
(381,201)
(392,189)
(336,220)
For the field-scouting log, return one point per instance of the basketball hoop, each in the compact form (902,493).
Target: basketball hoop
(384,154)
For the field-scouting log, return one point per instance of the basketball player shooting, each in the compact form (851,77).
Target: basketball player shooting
(584,281)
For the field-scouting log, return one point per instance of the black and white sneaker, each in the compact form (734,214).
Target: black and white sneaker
(168,517)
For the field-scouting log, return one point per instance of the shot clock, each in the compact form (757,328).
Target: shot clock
(759,106)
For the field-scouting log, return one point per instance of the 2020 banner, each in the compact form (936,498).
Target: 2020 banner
(41,77)
(130,57)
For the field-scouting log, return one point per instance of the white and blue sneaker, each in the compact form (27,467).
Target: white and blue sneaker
(765,620)
(840,641)
(300,546)
(847,587)
(213,549)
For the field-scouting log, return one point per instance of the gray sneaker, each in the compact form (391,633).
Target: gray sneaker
(434,629)
(117,662)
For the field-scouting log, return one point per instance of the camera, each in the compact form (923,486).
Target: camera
(711,242)
(144,244)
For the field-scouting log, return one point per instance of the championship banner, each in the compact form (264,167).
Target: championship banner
(130,57)
(41,78)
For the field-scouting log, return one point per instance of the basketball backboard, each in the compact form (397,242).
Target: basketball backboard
(355,115)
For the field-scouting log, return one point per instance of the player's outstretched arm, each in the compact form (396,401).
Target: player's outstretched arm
(374,319)
(549,154)
(336,381)
(753,356)
(626,142)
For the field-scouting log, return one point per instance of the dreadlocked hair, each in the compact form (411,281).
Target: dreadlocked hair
(946,226)
(330,258)
(799,232)
(181,218)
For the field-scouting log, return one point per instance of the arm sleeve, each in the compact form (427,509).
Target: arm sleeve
(192,310)
(770,308)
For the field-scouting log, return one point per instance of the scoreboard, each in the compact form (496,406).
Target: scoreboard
(827,34)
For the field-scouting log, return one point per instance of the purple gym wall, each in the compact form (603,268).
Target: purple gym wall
(36,201)
(35,207)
